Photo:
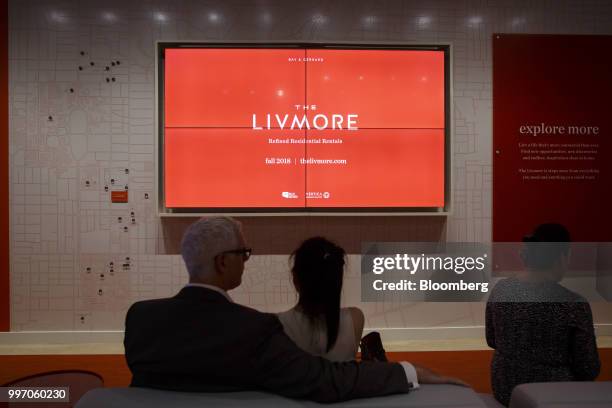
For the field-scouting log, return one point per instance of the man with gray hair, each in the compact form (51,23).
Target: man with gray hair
(199,340)
(205,247)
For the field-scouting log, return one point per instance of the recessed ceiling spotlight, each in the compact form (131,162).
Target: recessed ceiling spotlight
(423,21)
(214,17)
(58,17)
(369,21)
(474,21)
(109,16)
(319,18)
(266,18)
(160,17)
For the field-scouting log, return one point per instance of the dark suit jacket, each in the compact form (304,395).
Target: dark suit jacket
(200,341)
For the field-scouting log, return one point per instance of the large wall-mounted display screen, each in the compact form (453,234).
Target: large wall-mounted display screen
(287,128)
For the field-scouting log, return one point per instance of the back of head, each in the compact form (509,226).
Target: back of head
(546,245)
(206,238)
(318,267)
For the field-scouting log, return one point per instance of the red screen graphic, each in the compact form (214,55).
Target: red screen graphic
(303,128)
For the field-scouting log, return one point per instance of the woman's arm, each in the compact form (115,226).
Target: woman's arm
(358,322)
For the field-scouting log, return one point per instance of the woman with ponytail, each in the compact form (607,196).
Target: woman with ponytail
(317,323)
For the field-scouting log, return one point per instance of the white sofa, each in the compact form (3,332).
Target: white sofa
(575,394)
(428,396)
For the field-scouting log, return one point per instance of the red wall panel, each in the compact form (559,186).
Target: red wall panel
(551,174)
(5,303)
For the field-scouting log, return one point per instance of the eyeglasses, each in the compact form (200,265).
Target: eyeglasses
(245,252)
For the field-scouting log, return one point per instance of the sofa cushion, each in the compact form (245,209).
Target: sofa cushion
(578,394)
(427,396)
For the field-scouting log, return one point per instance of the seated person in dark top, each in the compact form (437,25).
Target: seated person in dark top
(540,330)
(200,340)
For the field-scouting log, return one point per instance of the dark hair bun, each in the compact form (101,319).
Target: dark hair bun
(546,245)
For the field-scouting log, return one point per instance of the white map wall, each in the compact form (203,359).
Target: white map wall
(81,95)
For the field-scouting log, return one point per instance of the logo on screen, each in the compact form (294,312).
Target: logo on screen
(289,194)
(317,195)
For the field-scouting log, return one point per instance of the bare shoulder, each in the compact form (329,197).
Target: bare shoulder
(356,314)
(358,318)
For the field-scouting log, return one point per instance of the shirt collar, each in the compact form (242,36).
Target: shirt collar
(211,287)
